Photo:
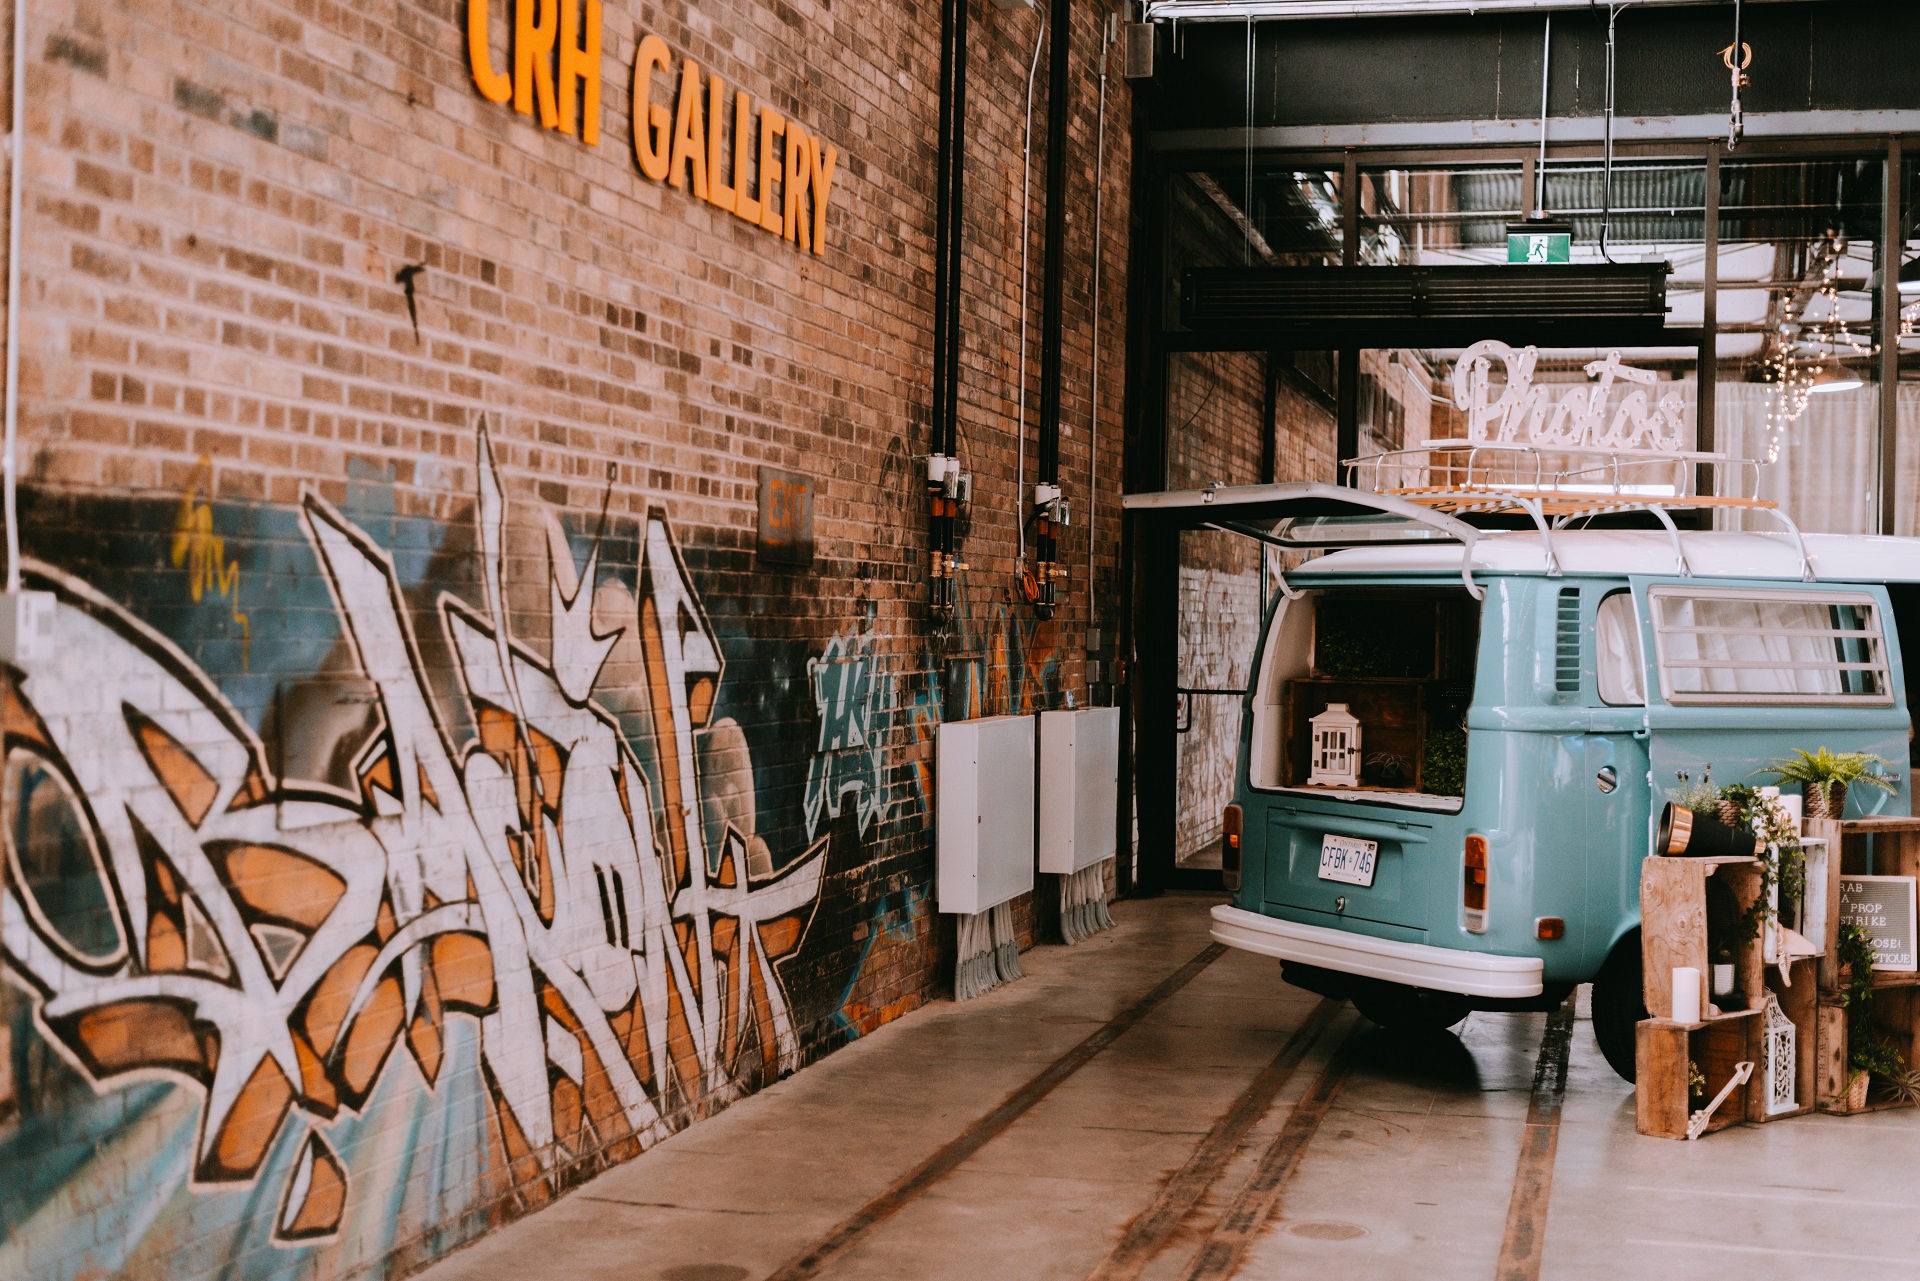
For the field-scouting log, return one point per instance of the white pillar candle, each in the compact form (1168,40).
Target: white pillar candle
(1686,994)
(1792,803)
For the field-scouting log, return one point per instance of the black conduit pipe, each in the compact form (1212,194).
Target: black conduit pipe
(1052,272)
(944,409)
(955,225)
(943,185)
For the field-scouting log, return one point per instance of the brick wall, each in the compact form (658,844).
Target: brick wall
(427,796)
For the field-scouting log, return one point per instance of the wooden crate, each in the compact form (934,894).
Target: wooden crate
(1673,926)
(1868,846)
(1662,1050)
(1673,913)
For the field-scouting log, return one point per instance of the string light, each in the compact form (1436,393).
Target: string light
(1802,359)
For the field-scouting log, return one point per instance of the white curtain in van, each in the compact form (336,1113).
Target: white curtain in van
(1622,674)
(1789,636)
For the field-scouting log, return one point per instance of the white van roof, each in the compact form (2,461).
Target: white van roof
(1833,557)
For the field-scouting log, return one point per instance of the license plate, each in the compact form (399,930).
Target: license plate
(1347,858)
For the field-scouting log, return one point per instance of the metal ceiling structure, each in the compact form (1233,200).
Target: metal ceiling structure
(1301,10)
(1298,10)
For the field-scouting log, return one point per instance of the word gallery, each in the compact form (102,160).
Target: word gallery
(775,174)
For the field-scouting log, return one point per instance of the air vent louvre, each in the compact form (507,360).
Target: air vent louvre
(1139,65)
(1566,642)
(1622,297)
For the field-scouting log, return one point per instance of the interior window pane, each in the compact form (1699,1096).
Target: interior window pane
(1621,674)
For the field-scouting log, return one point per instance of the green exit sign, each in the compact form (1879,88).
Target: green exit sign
(1539,242)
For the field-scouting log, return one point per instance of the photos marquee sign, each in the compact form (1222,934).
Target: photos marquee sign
(1583,417)
(775,174)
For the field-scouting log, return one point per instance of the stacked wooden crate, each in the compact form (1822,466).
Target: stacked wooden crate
(1865,847)
(1674,934)
(1673,909)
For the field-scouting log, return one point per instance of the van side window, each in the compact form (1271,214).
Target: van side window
(1734,646)
(1621,672)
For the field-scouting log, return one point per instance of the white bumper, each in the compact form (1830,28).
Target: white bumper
(1443,969)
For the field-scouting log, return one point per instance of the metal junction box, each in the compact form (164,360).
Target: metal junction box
(1079,787)
(984,812)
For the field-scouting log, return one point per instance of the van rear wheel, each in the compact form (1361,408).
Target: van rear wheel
(1619,1003)
(1410,1009)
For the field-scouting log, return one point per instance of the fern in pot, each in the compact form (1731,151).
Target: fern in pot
(1824,777)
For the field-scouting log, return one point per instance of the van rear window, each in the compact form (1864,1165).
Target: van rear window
(1728,646)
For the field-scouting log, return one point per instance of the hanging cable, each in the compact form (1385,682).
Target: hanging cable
(1540,169)
(1246,188)
(17,182)
(1736,58)
(1606,180)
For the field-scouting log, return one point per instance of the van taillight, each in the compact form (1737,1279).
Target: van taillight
(1473,883)
(1230,847)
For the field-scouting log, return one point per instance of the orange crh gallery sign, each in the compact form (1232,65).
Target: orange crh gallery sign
(767,170)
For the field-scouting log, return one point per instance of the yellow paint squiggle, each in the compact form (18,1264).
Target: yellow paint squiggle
(203,554)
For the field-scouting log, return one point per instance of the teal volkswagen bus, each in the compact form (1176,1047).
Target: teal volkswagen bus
(1524,700)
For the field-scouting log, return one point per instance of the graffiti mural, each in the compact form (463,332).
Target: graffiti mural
(505,892)
(846,759)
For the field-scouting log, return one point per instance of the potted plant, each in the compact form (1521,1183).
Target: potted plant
(1872,1059)
(1824,777)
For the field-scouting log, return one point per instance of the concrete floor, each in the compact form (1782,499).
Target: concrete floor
(1409,1173)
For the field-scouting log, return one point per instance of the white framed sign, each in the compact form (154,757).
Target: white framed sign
(1884,907)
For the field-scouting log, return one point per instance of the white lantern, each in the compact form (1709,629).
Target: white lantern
(1334,745)
(1778,1053)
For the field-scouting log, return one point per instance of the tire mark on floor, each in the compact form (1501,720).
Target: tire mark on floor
(1526,1235)
(1151,1231)
(811,1261)
(1221,1254)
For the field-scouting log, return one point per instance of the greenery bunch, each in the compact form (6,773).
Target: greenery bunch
(1699,797)
(1785,862)
(1854,953)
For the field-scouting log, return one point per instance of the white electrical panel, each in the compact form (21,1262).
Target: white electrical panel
(26,627)
(983,776)
(1079,787)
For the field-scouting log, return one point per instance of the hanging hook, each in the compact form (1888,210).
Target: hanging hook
(1737,57)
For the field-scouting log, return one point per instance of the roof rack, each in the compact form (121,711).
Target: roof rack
(1557,485)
